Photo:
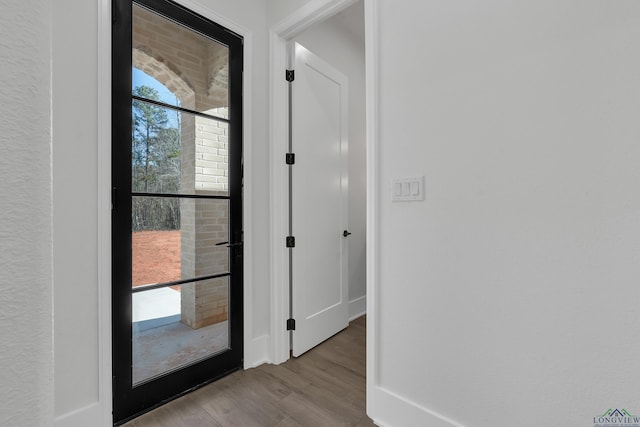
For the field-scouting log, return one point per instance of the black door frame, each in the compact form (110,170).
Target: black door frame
(129,401)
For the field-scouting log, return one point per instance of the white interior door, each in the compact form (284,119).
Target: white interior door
(319,200)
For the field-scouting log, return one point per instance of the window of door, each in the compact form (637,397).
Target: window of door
(177,203)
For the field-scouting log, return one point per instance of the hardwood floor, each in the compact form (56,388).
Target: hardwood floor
(323,387)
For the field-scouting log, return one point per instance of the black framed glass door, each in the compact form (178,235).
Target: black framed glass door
(177,203)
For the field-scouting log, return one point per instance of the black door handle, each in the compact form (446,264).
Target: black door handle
(229,245)
(346,233)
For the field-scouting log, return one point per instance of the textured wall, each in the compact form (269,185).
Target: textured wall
(26,356)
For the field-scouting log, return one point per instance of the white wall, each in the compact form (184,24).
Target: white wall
(334,43)
(280,9)
(509,296)
(75,204)
(26,354)
(75,192)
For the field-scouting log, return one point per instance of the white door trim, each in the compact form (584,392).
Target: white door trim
(373,185)
(252,355)
(104,215)
(311,13)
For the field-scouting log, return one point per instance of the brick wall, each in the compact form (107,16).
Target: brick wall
(211,161)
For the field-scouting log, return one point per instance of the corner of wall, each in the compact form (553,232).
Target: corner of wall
(357,307)
(403,412)
(258,353)
(88,416)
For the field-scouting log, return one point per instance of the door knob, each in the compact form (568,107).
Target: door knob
(346,233)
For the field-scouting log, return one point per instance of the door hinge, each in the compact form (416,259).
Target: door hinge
(290,158)
(290,75)
(291,242)
(291,324)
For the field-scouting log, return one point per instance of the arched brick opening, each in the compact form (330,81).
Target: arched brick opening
(154,65)
(175,54)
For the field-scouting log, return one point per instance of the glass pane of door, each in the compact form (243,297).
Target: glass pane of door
(178,239)
(166,337)
(176,152)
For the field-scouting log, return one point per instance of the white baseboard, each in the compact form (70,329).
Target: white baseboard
(88,416)
(357,307)
(258,353)
(390,410)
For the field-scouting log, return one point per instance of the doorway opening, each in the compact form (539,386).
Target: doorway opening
(177,180)
(316,32)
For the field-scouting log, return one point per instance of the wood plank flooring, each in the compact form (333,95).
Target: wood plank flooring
(323,387)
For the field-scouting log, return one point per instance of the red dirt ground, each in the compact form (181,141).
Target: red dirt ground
(156,257)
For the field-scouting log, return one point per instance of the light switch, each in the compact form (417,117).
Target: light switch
(415,188)
(407,189)
(397,189)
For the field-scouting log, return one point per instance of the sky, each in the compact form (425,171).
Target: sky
(139,78)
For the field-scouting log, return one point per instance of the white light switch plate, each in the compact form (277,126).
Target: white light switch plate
(407,189)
